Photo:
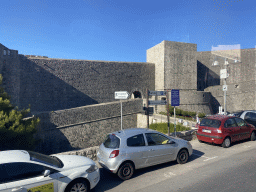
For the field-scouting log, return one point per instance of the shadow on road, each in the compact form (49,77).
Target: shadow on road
(109,180)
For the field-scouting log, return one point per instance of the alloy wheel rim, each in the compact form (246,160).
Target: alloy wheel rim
(182,156)
(126,171)
(78,187)
(227,142)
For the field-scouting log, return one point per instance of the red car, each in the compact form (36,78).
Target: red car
(222,129)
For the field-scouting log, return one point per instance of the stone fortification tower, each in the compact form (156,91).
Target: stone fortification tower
(176,68)
(176,65)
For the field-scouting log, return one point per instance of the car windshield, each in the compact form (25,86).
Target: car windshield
(112,141)
(41,158)
(210,123)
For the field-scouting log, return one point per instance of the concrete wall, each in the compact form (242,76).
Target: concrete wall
(54,84)
(84,127)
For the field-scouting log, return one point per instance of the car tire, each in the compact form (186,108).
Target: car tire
(78,185)
(182,156)
(200,141)
(226,143)
(253,136)
(126,171)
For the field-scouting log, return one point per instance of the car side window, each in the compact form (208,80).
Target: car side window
(136,141)
(247,115)
(156,139)
(240,122)
(230,123)
(4,178)
(19,171)
(253,116)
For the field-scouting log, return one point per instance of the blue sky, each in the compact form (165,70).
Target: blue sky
(119,30)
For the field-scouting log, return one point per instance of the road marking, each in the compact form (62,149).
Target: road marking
(169,174)
(207,158)
(211,158)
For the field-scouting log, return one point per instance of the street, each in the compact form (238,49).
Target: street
(210,168)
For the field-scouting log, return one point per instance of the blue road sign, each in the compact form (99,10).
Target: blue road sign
(175,97)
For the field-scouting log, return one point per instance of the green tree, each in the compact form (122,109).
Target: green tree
(15,131)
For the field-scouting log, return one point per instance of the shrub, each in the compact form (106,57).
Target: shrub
(163,127)
(15,131)
(201,115)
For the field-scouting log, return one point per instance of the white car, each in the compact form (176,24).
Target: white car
(32,172)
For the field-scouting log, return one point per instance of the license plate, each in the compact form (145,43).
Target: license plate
(206,131)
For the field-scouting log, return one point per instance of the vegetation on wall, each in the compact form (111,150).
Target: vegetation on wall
(15,131)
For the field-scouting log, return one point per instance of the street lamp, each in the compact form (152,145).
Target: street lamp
(223,75)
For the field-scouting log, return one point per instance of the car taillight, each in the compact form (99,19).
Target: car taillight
(114,154)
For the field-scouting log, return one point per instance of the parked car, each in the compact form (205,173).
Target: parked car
(124,151)
(222,129)
(248,115)
(22,170)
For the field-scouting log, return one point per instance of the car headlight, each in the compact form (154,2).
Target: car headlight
(92,169)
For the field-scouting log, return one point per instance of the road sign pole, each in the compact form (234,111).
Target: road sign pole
(168,118)
(225,96)
(174,122)
(121,115)
(147,111)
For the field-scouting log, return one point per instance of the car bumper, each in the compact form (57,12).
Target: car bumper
(94,178)
(110,164)
(210,138)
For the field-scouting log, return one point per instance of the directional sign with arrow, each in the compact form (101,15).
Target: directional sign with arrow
(121,95)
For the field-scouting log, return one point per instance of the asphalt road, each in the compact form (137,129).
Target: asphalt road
(210,168)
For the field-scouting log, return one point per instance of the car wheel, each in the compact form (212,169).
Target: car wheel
(226,143)
(126,171)
(78,185)
(182,156)
(253,136)
(200,141)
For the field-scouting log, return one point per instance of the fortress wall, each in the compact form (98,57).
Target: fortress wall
(240,98)
(156,55)
(191,100)
(10,70)
(180,67)
(84,127)
(54,84)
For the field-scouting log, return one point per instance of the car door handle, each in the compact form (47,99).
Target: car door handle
(151,150)
(17,189)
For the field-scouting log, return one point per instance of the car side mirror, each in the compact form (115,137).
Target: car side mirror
(171,142)
(46,173)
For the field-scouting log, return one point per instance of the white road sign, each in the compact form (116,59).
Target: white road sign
(158,93)
(223,74)
(121,95)
(157,102)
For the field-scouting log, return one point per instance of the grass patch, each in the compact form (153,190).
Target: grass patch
(163,127)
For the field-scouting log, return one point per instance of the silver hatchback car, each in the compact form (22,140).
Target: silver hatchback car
(124,151)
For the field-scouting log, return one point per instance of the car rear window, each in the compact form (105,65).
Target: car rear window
(210,123)
(112,141)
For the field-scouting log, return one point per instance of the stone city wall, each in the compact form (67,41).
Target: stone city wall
(55,84)
(84,127)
